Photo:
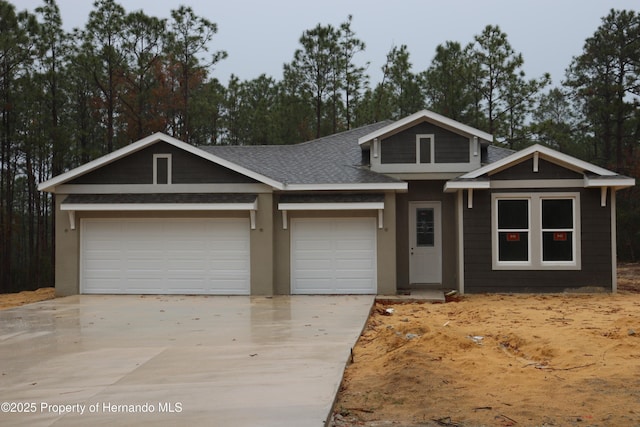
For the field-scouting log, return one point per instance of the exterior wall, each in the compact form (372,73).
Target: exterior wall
(401,147)
(385,244)
(137,168)
(596,270)
(67,273)
(546,170)
(427,191)
(67,269)
(262,248)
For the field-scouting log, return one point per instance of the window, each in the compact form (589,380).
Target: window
(425,227)
(536,231)
(513,230)
(162,168)
(557,230)
(424,145)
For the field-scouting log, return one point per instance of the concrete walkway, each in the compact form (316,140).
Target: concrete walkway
(176,360)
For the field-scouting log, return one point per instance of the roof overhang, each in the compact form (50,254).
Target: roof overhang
(331,202)
(618,182)
(429,116)
(454,185)
(50,185)
(543,152)
(594,176)
(158,202)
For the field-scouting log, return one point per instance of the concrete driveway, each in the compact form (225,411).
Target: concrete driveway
(176,360)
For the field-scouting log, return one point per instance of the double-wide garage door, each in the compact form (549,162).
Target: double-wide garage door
(165,256)
(333,256)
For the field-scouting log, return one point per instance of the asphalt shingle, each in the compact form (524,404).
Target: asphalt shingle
(334,159)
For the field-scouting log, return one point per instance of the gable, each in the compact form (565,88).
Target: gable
(138,168)
(540,163)
(448,147)
(546,170)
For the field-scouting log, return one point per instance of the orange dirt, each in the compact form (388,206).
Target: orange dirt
(499,360)
(26,297)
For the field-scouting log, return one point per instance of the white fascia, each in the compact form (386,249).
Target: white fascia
(398,186)
(616,183)
(330,206)
(50,184)
(431,117)
(88,207)
(72,208)
(453,186)
(546,153)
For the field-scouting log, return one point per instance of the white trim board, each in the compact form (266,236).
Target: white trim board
(545,153)
(429,116)
(50,185)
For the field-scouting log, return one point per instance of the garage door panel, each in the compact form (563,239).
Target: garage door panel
(165,256)
(333,256)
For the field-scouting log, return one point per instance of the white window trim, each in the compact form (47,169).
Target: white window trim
(495,233)
(155,168)
(535,261)
(431,138)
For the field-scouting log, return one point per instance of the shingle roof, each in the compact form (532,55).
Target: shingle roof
(495,153)
(334,159)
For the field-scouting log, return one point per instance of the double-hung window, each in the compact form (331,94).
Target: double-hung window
(536,231)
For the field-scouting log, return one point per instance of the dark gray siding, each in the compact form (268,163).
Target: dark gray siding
(452,150)
(595,250)
(426,191)
(137,168)
(401,147)
(546,170)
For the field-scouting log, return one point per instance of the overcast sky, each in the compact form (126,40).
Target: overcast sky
(260,35)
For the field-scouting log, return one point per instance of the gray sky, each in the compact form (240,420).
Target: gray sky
(260,35)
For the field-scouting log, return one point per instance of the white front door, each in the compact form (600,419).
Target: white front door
(425,242)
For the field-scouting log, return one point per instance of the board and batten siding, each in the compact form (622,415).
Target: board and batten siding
(186,168)
(595,222)
(401,147)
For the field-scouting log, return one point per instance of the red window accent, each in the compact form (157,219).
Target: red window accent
(513,237)
(559,236)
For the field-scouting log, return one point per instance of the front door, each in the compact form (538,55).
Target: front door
(425,242)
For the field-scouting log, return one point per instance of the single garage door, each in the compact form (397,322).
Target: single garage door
(333,256)
(165,256)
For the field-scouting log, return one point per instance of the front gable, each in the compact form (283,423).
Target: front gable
(425,143)
(152,161)
(162,163)
(525,170)
(539,166)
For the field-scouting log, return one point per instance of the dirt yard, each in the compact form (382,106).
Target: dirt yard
(26,297)
(499,360)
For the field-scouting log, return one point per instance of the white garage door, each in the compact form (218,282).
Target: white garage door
(333,256)
(165,256)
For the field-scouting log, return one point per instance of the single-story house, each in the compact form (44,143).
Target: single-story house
(421,202)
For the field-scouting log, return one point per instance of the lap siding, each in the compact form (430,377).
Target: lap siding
(595,252)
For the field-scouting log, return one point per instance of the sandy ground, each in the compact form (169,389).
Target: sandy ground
(26,297)
(499,360)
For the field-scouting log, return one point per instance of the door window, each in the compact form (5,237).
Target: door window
(425,227)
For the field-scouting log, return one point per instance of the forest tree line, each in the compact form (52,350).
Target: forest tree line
(69,97)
